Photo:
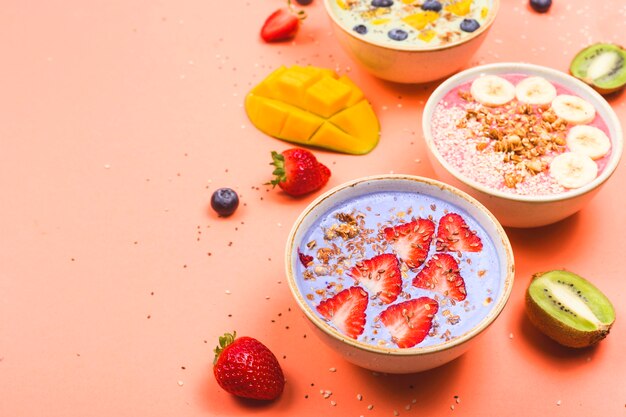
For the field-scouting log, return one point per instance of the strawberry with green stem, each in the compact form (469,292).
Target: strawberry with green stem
(298,172)
(283,24)
(247,368)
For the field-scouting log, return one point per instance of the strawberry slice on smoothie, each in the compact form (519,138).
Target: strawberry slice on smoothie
(346,311)
(411,241)
(454,235)
(410,321)
(380,276)
(442,275)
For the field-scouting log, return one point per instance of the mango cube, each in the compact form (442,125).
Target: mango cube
(460,7)
(313,106)
(421,19)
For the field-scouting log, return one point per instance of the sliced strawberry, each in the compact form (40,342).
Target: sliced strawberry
(304,258)
(380,276)
(346,311)
(410,321)
(411,241)
(283,24)
(454,235)
(441,274)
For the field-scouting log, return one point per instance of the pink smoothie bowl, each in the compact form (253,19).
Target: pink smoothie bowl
(437,351)
(409,64)
(515,210)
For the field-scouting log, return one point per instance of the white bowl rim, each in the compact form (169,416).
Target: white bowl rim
(491,17)
(485,322)
(521,68)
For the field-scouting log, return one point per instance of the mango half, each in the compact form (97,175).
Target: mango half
(315,107)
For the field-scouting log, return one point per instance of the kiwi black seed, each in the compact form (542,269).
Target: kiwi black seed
(602,66)
(568,308)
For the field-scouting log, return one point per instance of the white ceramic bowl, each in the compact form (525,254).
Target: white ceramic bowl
(392,359)
(405,63)
(524,211)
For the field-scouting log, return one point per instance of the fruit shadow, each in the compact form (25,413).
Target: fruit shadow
(422,90)
(611,97)
(424,387)
(557,354)
(217,402)
(544,238)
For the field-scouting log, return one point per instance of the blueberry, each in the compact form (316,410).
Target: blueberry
(432,5)
(360,29)
(224,201)
(469,25)
(398,34)
(540,6)
(304,2)
(382,3)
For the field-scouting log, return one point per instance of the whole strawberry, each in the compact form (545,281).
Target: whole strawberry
(247,368)
(283,24)
(298,172)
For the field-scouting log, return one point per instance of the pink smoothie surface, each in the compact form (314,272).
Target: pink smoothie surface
(457,145)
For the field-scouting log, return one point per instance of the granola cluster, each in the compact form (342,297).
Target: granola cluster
(526,136)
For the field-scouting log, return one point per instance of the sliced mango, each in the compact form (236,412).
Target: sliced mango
(380,21)
(314,106)
(421,19)
(427,35)
(459,8)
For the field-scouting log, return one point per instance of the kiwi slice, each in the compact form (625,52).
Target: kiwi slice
(568,308)
(602,66)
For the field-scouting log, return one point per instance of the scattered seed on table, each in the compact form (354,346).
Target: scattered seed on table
(332,369)
(359,397)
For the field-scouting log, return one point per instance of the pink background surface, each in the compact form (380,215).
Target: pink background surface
(118,120)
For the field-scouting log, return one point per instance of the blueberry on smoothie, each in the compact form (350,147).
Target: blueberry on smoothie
(432,5)
(469,25)
(397,34)
(540,6)
(360,29)
(382,3)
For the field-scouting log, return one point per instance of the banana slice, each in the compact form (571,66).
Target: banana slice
(588,140)
(573,169)
(573,109)
(535,90)
(492,90)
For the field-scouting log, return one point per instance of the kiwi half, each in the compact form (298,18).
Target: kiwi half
(602,66)
(568,308)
